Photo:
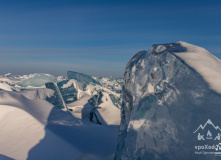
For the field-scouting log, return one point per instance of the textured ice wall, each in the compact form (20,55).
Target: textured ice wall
(164,101)
(83,78)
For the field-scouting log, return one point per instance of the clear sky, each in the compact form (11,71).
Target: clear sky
(99,37)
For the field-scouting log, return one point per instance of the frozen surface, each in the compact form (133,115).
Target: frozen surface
(166,96)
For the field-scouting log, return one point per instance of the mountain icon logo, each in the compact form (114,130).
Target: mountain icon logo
(207,130)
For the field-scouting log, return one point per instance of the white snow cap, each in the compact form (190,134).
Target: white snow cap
(206,64)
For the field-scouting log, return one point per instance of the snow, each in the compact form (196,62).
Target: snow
(113,84)
(20,133)
(93,88)
(10,79)
(4,79)
(78,106)
(78,86)
(206,64)
(74,82)
(109,112)
(35,129)
(5,86)
(40,93)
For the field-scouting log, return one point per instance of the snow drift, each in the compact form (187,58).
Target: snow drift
(34,129)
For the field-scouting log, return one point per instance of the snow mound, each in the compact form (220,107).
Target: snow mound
(35,129)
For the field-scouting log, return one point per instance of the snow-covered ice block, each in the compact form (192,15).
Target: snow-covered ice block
(168,92)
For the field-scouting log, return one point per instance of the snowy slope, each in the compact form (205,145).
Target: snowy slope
(34,129)
(5,87)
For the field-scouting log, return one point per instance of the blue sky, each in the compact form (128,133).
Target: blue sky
(98,37)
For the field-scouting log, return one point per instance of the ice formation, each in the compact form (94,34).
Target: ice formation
(69,90)
(57,98)
(83,78)
(168,91)
(80,96)
(37,80)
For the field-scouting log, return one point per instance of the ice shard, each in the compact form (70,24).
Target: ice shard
(69,92)
(57,98)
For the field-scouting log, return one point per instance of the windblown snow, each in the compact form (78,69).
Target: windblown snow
(205,63)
